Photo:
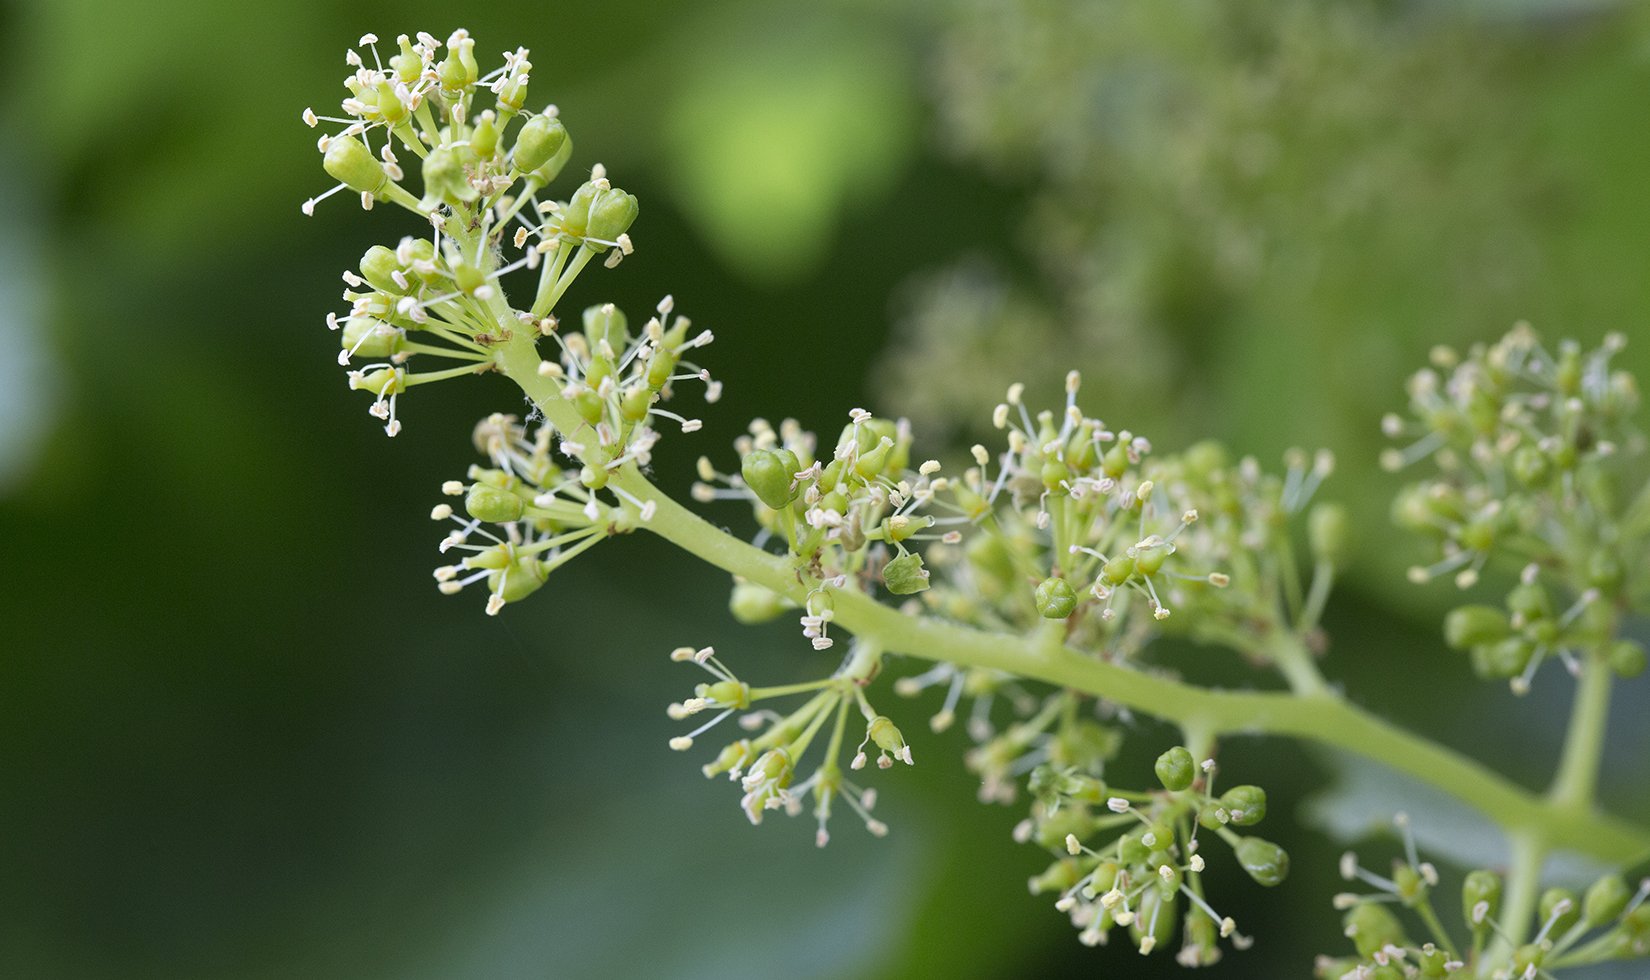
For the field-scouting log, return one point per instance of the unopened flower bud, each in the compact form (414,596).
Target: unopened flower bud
(751,603)
(1372,928)
(1055,598)
(1481,887)
(1470,626)
(1175,769)
(606,323)
(769,474)
(1245,804)
(1606,899)
(542,143)
(350,163)
(493,505)
(905,574)
(1626,658)
(1560,905)
(1265,861)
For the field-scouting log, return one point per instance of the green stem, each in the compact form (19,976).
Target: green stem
(1294,661)
(1523,888)
(1318,717)
(1573,787)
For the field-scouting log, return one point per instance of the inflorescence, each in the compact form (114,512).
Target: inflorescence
(1078,535)
(1533,452)
(1610,921)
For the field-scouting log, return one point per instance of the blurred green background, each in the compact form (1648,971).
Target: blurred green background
(241,734)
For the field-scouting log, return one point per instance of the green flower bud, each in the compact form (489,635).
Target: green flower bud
(1246,804)
(1154,921)
(1212,816)
(1470,626)
(768,473)
(575,218)
(1606,900)
(1433,962)
(1372,927)
(350,163)
(1159,837)
(1116,571)
(1527,960)
(1055,598)
(612,214)
(378,267)
(512,95)
(407,65)
(634,401)
(735,694)
(1551,900)
(365,337)
(905,574)
(873,463)
(1529,602)
(446,177)
(1149,561)
(1116,461)
(484,138)
(540,141)
(1481,887)
(493,505)
(1626,658)
(1131,850)
(887,736)
(752,603)
(1503,660)
(606,323)
(738,755)
(1411,886)
(1175,769)
(459,70)
(1265,861)
(1328,529)
(1057,877)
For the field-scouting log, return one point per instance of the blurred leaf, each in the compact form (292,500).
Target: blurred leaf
(772,140)
(1368,795)
(28,372)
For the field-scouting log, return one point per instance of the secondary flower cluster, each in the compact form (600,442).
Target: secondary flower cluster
(543,515)
(1133,860)
(439,297)
(1609,921)
(1068,522)
(1534,451)
(765,764)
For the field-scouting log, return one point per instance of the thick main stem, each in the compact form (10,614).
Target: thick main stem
(1320,717)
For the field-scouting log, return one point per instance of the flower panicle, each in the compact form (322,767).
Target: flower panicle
(1608,922)
(765,763)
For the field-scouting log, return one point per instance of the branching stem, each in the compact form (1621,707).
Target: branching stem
(1534,824)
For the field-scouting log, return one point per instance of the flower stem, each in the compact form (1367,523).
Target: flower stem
(1573,787)
(1319,717)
